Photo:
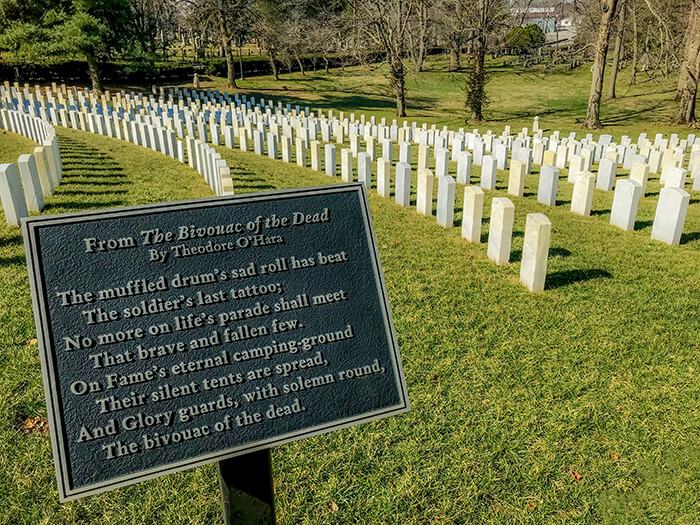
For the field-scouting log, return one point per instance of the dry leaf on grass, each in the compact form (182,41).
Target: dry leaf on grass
(35,425)
(333,506)
(575,476)
(32,341)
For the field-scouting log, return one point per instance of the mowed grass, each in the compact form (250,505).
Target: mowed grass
(580,404)
(517,94)
(14,145)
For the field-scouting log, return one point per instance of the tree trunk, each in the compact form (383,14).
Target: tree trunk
(228,53)
(195,47)
(476,80)
(619,44)
(454,56)
(690,71)
(418,61)
(240,61)
(601,52)
(635,42)
(455,39)
(230,73)
(419,50)
(301,65)
(399,85)
(325,59)
(273,64)
(688,50)
(95,75)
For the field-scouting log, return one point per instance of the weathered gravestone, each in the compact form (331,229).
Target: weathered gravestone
(625,203)
(446,201)
(488,173)
(548,185)
(516,178)
(384,177)
(174,335)
(424,192)
(533,268)
(671,212)
(472,213)
(500,230)
(403,184)
(11,194)
(582,197)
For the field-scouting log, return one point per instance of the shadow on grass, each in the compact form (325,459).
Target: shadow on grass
(92,183)
(11,261)
(563,278)
(640,225)
(690,237)
(87,166)
(257,187)
(89,169)
(12,240)
(559,252)
(83,205)
(85,192)
(631,116)
(517,255)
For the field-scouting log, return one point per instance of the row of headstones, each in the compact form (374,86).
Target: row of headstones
(489,141)
(489,164)
(25,185)
(556,154)
(202,157)
(670,214)
(538,226)
(142,132)
(533,269)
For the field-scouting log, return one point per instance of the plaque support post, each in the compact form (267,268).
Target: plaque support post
(246,489)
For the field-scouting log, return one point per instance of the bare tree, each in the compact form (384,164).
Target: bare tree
(454,31)
(154,22)
(295,33)
(608,8)
(224,19)
(268,16)
(418,32)
(635,40)
(483,18)
(322,36)
(619,45)
(385,24)
(690,69)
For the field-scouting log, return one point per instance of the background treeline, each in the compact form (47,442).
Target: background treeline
(139,41)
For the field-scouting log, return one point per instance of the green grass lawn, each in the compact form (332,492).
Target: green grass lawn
(580,404)
(517,94)
(14,145)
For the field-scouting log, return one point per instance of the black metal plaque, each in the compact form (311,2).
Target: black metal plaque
(174,335)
